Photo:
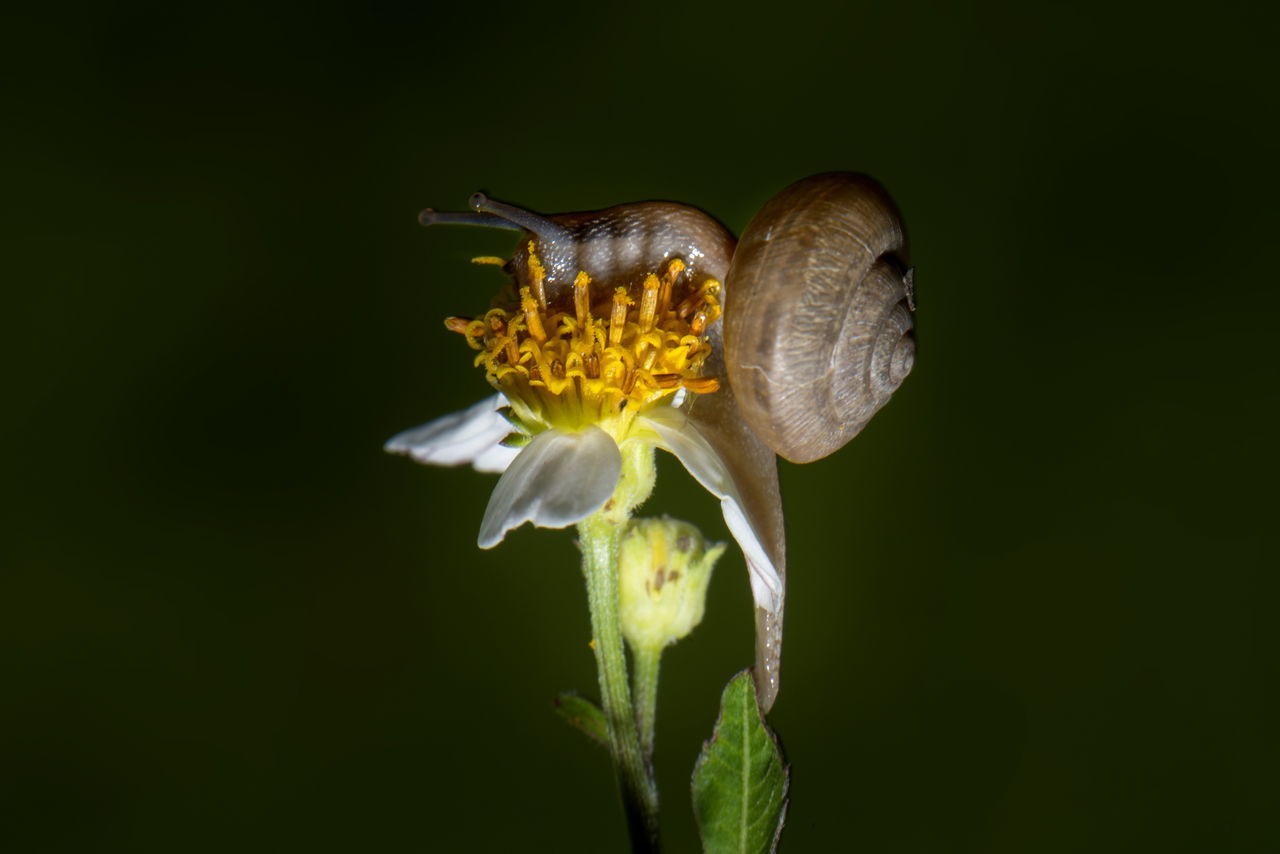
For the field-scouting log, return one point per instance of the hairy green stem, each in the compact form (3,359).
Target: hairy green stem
(645,661)
(600,535)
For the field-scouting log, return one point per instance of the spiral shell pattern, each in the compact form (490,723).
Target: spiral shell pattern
(818,322)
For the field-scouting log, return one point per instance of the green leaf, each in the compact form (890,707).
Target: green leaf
(739,781)
(584,715)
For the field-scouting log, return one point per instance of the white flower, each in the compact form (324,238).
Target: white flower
(563,476)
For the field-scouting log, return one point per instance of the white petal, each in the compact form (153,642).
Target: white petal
(681,438)
(469,436)
(494,460)
(558,479)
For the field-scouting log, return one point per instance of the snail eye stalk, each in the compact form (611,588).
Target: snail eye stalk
(544,229)
(431,216)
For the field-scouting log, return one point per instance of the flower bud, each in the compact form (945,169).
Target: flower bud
(664,570)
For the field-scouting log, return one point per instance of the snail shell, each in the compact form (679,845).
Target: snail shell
(818,316)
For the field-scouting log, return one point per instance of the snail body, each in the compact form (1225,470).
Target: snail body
(623,244)
(617,246)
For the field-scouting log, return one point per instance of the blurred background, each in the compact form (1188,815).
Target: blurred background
(1028,606)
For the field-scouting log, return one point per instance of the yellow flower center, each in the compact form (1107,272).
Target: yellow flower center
(595,355)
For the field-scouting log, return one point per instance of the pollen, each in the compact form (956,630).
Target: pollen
(571,355)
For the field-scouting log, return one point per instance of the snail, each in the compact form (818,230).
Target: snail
(817,328)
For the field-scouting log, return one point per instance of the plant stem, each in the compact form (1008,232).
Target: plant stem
(646,661)
(600,535)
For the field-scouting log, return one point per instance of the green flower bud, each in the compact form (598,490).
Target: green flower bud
(664,570)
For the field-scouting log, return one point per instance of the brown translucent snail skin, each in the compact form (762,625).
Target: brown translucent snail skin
(618,245)
(818,314)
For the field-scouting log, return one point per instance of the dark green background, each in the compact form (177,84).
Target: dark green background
(1028,609)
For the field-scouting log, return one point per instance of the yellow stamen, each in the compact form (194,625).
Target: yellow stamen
(473,330)
(666,380)
(489,260)
(567,362)
(649,302)
(710,288)
(459,325)
(674,268)
(532,316)
(618,319)
(701,385)
(537,275)
(582,298)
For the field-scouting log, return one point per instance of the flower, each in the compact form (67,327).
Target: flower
(664,568)
(585,375)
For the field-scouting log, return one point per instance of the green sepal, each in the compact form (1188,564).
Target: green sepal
(514,420)
(522,433)
(739,781)
(515,440)
(583,715)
